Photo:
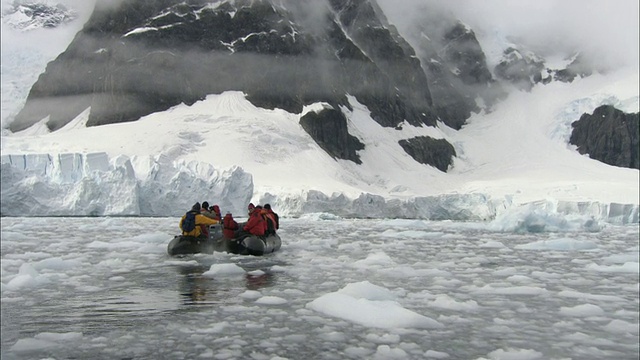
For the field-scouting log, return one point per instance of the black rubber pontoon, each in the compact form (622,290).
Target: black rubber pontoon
(250,245)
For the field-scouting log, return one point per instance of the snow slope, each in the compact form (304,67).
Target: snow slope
(523,147)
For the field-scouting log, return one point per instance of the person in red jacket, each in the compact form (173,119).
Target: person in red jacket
(229,226)
(215,210)
(255,225)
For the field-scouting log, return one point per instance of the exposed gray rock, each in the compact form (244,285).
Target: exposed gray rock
(576,68)
(429,151)
(143,57)
(329,129)
(608,135)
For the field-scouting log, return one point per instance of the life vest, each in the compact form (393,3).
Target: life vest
(189,222)
(256,224)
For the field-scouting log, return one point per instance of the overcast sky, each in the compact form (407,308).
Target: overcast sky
(607,29)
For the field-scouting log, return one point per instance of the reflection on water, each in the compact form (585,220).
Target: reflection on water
(193,286)
(255,282)
(198,289)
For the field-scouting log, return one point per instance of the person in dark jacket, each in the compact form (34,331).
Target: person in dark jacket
(270,220)
(276,217)
(229,226)
(199,220)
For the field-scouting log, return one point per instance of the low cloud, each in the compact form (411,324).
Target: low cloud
(605,31)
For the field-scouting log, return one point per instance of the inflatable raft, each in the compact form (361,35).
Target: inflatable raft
(250,245)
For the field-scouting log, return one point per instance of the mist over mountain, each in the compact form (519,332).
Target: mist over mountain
(178,41)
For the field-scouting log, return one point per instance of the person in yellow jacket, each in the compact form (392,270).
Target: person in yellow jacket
(191,221)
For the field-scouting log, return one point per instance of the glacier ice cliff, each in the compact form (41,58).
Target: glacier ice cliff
(95,185)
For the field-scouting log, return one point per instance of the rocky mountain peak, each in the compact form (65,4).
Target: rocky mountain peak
(456,67)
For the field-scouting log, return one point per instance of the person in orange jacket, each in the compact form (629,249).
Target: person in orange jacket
(194,216)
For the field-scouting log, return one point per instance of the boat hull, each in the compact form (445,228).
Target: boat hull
(182,245)
(250,245)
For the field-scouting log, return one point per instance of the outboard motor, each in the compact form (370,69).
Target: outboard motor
(215,231)
(216,238)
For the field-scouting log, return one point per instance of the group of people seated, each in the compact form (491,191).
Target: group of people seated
(263,221)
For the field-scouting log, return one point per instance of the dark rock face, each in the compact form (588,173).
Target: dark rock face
(367,26)
(329,129)
(429,151)
(456,68)
(464,52)
(134,58)
(608,135)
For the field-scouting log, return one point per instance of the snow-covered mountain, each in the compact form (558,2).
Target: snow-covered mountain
(274,111)
(27,50)
(28,15)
